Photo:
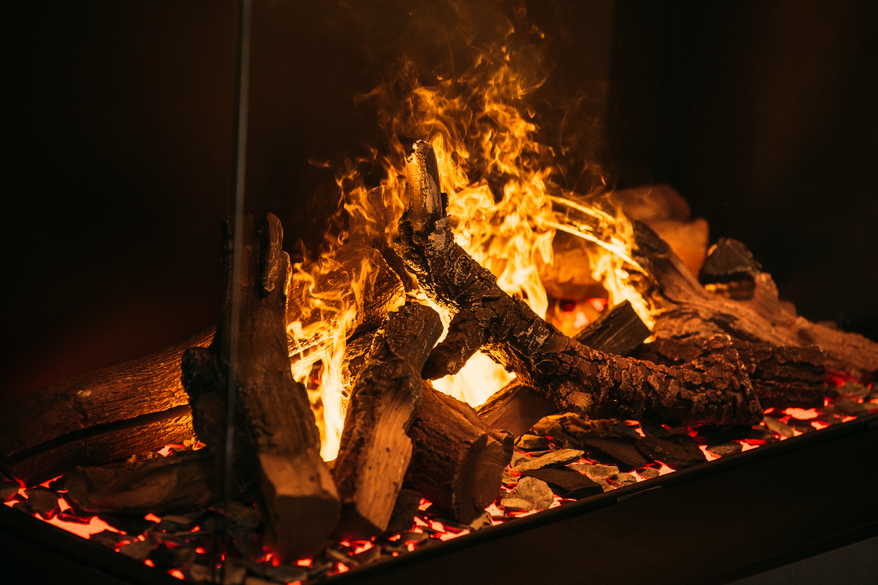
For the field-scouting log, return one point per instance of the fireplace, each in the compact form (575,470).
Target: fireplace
(635,167)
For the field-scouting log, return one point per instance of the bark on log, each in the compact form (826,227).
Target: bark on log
(690,311)
(57,417)
(782,376)
(375,449)
(281,443)
(179,483)
(458,461)
(576,378)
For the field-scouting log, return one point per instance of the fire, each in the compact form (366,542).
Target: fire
(505,210)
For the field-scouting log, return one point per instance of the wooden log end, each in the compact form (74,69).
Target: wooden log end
(301,504)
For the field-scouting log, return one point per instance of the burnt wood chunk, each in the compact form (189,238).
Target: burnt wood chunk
(516,408)
(781,375)
(276,441)
(576,378)
(677,451)
(179,483)
(375,450)
(566,482)
(458,461)
(618,331)
(611,449)
(729,261)
(687,310)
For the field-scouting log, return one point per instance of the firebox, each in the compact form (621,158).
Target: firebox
(620,210)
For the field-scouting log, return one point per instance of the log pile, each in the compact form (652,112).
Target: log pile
(717,359)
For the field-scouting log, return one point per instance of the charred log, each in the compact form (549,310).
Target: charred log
(280,444)
(690,311)
(375,450)
(576,378)
(179,483)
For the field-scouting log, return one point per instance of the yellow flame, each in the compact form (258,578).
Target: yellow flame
(504,209)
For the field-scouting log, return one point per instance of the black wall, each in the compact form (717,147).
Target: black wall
(762,114)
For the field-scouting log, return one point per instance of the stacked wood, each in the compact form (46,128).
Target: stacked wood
(576,378)
(458,460)
(278,442)
(375,449)
(138,407)
(688,311)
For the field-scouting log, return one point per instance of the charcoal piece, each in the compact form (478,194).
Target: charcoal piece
(566,483)
(109,538)
(596,472)
(139,550)
(618,451)
(724,449)
(677,452)
(483,521)
(553,459)
(532,443)
(729,261)
(340,557)
(404,510)
(851,407)
(8,489)
(535,491)
(516,504)
(652,429)
(246,516)
(411,536)
(759,434)
(133,524)
(624,479)
(775,426)
(853,389)
(42,501)
(648,472)
(68,517)
(163,558)
(713,435)
(370,555)
(285,573)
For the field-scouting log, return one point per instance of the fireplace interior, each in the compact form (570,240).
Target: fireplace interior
(758,116)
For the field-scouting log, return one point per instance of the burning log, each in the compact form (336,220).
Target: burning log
(517,407)
(577,379)
(281,443)
(375,449)
(140,406)
(690,311)
(458,460)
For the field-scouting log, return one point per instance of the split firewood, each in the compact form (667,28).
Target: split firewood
(687,310)
(517,407)
(781,375)
(138,407)
(375,449)
(179,483)
(577,379)
(458,460)
(279,443)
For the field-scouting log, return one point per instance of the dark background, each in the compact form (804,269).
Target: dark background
(762,114)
